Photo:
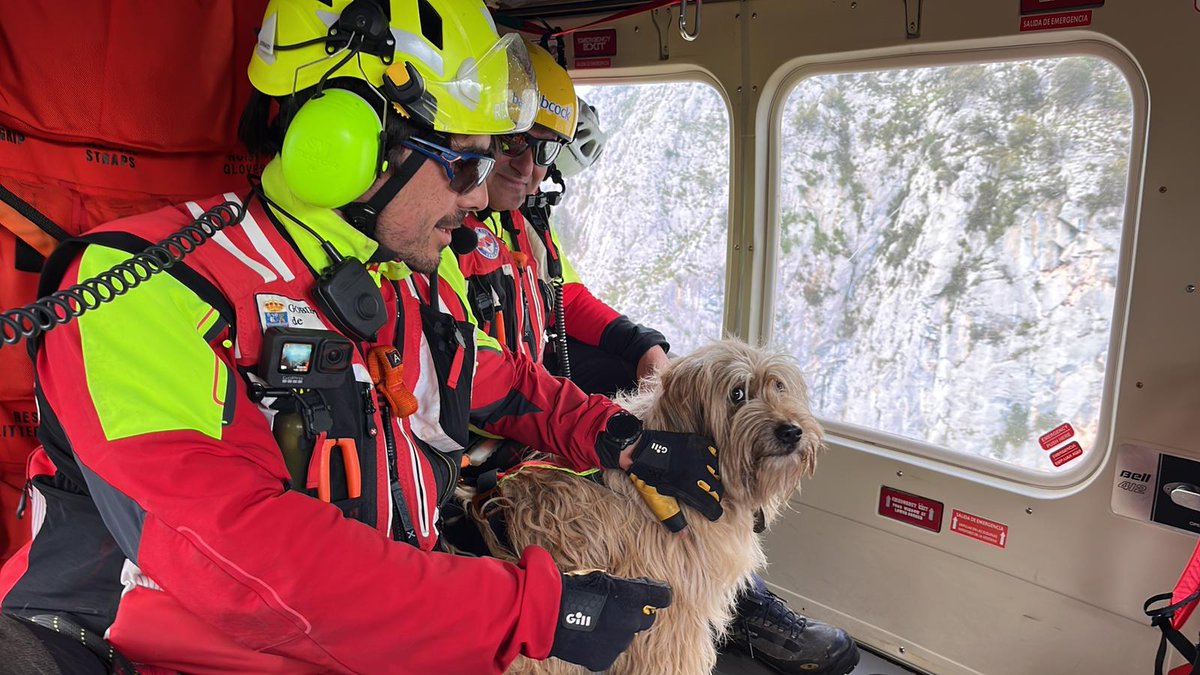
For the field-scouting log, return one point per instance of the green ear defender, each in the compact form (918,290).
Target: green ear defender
(332,150)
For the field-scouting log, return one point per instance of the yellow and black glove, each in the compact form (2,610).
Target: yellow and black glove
(669,466)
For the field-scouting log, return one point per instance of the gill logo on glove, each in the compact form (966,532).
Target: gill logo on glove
(579,619)
(659,448)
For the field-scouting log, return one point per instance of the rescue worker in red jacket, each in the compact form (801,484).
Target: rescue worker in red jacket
(250,451)
(607,351)
(516,269)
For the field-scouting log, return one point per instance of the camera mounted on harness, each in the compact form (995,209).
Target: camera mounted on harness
(304,358)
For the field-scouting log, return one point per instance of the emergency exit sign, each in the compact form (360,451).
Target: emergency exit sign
(979,528)
(908,508)
(593,43)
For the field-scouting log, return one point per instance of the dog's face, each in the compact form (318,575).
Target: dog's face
(754,404)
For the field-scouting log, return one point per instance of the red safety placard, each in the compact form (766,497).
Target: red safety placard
(1066,453)
(603,62)
(909,508)
(982,529)
(589,43)
(1056,435)
(1056,21)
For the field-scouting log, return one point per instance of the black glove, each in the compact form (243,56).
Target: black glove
(683,466)
(599,615)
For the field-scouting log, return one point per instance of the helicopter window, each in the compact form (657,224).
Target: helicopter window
(949,240)
(645,226)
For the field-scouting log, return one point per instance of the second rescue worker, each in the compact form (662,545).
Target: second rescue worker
(518,255)
(178,523)
(509,285)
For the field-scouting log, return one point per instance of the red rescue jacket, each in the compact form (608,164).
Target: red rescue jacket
(188,550)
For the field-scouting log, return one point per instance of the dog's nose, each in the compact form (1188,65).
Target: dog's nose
(789,433)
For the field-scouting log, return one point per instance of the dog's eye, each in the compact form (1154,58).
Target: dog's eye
(780,386)
(738,395)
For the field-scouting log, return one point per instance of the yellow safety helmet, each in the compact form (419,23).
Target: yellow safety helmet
(556,109)
(439,61)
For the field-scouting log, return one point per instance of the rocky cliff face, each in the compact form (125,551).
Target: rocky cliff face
(948,240)
(646,225)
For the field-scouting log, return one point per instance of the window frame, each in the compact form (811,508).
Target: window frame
(1066,43)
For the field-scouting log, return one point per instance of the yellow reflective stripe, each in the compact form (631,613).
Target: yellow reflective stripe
(450,273)
(493,223)
(146,363)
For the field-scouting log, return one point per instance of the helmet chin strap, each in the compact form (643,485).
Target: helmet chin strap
(364,215)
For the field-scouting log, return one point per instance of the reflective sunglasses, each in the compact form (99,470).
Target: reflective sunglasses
(465,170)
(544,150)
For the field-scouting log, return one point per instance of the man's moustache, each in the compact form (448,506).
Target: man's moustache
(453,220)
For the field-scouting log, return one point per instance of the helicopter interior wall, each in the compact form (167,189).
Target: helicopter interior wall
(1064,594)
(739,663)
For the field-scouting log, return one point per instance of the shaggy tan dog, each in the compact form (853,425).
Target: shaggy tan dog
(754,404)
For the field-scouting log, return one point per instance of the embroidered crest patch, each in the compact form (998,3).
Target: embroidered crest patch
(488,246)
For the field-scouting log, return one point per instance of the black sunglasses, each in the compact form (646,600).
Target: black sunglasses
(544,150)
(465,170)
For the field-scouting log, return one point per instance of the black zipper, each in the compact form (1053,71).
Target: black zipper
(399,505)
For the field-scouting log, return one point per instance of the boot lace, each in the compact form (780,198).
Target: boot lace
(769,610)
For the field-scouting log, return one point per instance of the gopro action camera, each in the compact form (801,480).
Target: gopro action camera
(302,358)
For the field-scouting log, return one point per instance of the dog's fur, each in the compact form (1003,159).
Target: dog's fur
(588,526)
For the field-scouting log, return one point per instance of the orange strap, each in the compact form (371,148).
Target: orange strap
(22,227)
(385,365)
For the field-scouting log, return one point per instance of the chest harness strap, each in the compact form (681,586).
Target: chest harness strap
(1170,619)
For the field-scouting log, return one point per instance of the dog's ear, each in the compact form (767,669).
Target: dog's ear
(681,400)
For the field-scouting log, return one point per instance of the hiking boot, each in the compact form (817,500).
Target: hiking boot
(771,633)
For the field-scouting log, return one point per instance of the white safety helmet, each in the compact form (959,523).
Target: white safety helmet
(589,141)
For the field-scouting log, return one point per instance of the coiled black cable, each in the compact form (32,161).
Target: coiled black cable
(61,307)
(537,212)
(560,328)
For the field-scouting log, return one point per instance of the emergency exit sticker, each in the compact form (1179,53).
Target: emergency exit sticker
(1056,435)
(595,48)
(1056,21)
(909,508)
(593,63)
(981,529)
(1066,453)
(592,43)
